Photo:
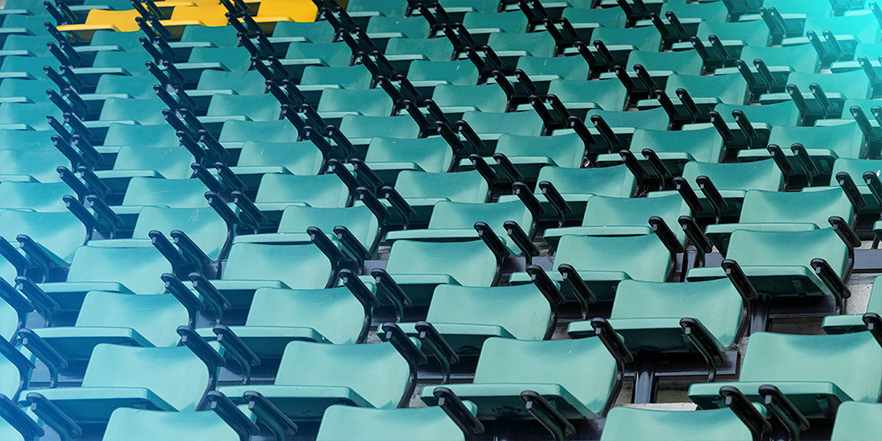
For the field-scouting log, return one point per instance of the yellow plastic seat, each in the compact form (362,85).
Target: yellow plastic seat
(101,20)
(272,11)
(183,16)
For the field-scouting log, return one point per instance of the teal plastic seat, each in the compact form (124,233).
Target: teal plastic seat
(642,258)
(733,36)
(26,67)
(234,133)
(621,41)
(454,222)
(838,324)
(167,379)
(467,316)
(139,136)
(115,63)
(849,30)
(870,50)
(507,367)
(606,216)
(407,50)
(623,124)
(216,36)
(173,193)
(119,86)
(824,144)
(240,82)
(454,100)
(114,269)
(278,191)
(30,166)
(202,225)
(251,266)
(647,315)
(147,162)
(381,29)
(216,58)
(7,331)
(425,75)
(112,40)
(812,371)
(630,424)
(491,125)
(389,156)
(779,263)
(378,8)
(316,32)
(784,211)
(855,168)
(491,22)
(280,316)
(660,64)
(337,103)
(28,116)
(674,148)
(314,376)
(27,140)
(780,61)
(760,118)
(145,425)
(732,181)
(529,154)
(346,423)
(263,107)
(15,90)
(301,55)
(582,96)
(26,45)
(837,87)
(706,92)
(121,319)
(320,77)
(542,70)
(585,20)
(33,196)
(362,129)
(577,185)
(509,47)
(423,190)
(258,158)
(856,421)
(419,267)
(147,111)
(58,234)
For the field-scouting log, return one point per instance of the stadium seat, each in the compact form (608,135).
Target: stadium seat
(529,154)
(15,90)
(346,423)
(705,92)
(97,20)
(648,424)
(619,42)
(30,166)
(838,368)
(48,240)
(27,116)
(143,425)
(838,324)
(672,150)
(33,196)
(856,421)
(389,156)
(421,190)
(732,38)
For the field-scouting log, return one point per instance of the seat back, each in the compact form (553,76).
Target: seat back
(302,10)
(436,49)
(360,126)
(516,123)
(317,32)
(300,158)
(127,41)
(30,140)
(854,84)
(602,211)
(433,155)
(457,187)
(376,372)
(410,27)
(608,17)
(607,94)
(731,89)
(263,107)
(33,90)
(122,21)
(643,38)
(683,62)
(235,58)
(248,82)
(174,374)
(508,22)
(615,181)
(174,193)
(370,102)
(204,14)
(349,77)
(359,220)
(629,424)
(143,111)
(801,58)
(145,425)
(537,44)
(463,215)
(583,366)
(469,263)
(640,257)
(297,266)
(202,225)
(61,233)
(570,68)
(333,54)
(315,191)
(857,421)
(754,175)
(862,26)
(134,86)
(32,114)
(791,248)
(34,196)
(702,144)
(652,119)
(521,309)
(461,72)
(335,313)
(267,131)
(132,62)
(219,36)
(155,317)
(715,303)
(851,361)
(137,268)
(33,66)
(752,33)
(784,113)
(136,135)
(38,164)
(813,207)
(489,98)
(846,140)
(170,162)
(566,150)
(387,8)
(348,423)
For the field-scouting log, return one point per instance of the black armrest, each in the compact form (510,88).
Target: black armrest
(664,233)
(165,247)
(504,84)
(688,194)
(875,185)
(443,129)
(365,175)
(249,213)
(520,238)
(558,107)
(689,104)
(527,197)
(821,97)
(486,234)
(352,245)
(50,357)
(458,412)
(85,216)
(577,286)
(191,302)
(746,412)
(22,363)
(16,300)
(53,417)
(659,167)
(752,83)
(704,343)
(398,203)
(851,190)
(665,101)
(364,296)
(712,194)
(213,359)
(552,294)
(798,99)
(746,127)
(527,82)
(782,162)
(784,409)
(438,346)
(464,128)
(229,179)
(417,115)
(739,280)
(269,415)
(718,46)
(644,77)
(37,254)
(832,280)
(484,169)
(212,298)
(72,155)
(556,200)
(612,340)
(369,199)
(230,413)
(13,256)
(805,161)
(237,348)
(223,210)
(409,351)
(42,302)
(636,169)
(695,235)
(861,118)
(387,286)
(104,212)
(874,325)
(18,419)
(75,184)
(338,258)
(508,169)
(343,173)
(845,232)
(547,415)
(439,115)
(213,146)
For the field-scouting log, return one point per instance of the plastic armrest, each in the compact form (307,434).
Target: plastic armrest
(222,209)
(404,345)
(53,417)
(42,302)
(250,214)
(613,342)
(351,244)
(398,203)
(53,359)
(36,254)
(742,284)
(189,248)
(269,415)
(183,294)
(547,415)
(805,161)
(328,248)
(230,413)
(557,201)
(14,356)
(874,325)
(664,233)
(577,286)
(365,175)
(16,300)
(832,280)
(466,130)
(369,199)
(75,184)
(191,339)
(851,190)
(213,298)
(745,411)
(18,419)
(520,238)
(438,346)
(875,185)
(237,348)
(527,197)
(640,173)
(392,290)
(453,406)
(844,231)
(165,247)
(486,234)
(783,409)
(13,256)
(484,169)
(782,162)
(703,341)
(688,194)
(104,212)
(712,194)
